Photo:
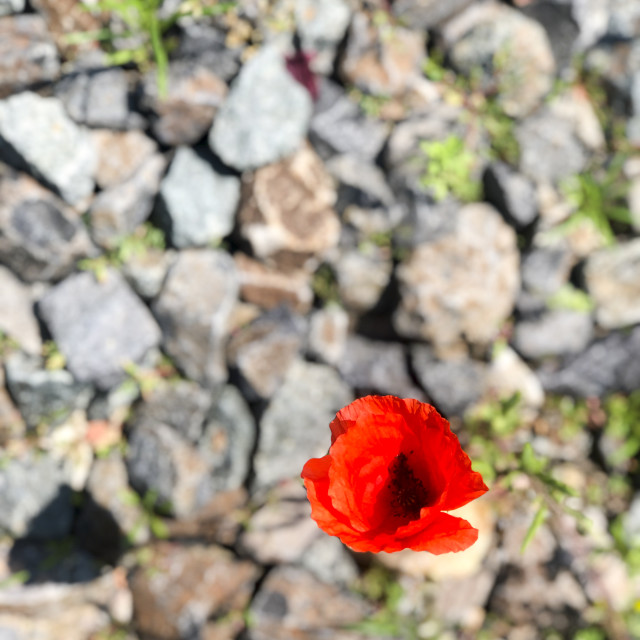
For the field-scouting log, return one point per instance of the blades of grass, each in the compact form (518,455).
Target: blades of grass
(538,519)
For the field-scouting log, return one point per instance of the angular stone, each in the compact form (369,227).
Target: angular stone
(41,238)
(479,262)
(328,330)
(269,287)
(512,50)
(556,333)
(364,197)
(264,351)
(185,114)
(291,603)
(28,55)
(426,14)
(219,520)
(228,440)
(310,395)
(512,194)
(381,65)
(198,200)
(120,155)
(546,269)
(607,365)
(146,272)
(98,326)
(44,397)
(16,314)
(322,26)
(183,405)
(508,374)
(72,611)
(35,502)
(265,116)
(181,587)
(287,211)
(11,422)
(453,384)
(363,274)
(162,461)
(339,126)
(282,530)
(613,280)
(376,367)
(36,132)
(8,7)
(194,309)
(118,210)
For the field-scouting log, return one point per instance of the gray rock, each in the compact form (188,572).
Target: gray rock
(512,51)
(16,314)
(453,385)
(118,210)
(339,126)
(292,602)
(549,149)
(159,459)
(265,116)
(363,274)
(206,43)
(34,501)
(560,27)
(193,310)
(546,269)
(365,200)
(263,351)
(512,194)
(322,26)
(426,221)
(35,132)
(98,326)
(228,440)
(185,114)
(182,405)
(427,14)
(281,531)
(199,201)
(11,6)
(41,237)
(295,425)
(556,333)
(28,55)
(613,280)
(99,99)
(44,396)
(607,365)
(147,271)
(376,367)
(479,263)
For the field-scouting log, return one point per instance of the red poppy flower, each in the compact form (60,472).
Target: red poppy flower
(393,469)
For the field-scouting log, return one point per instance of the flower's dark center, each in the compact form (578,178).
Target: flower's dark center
(409,494)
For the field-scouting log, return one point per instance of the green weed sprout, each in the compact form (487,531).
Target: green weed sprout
(144,24)
(449,170)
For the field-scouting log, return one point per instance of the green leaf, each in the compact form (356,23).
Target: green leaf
(531,463)
(538,519)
